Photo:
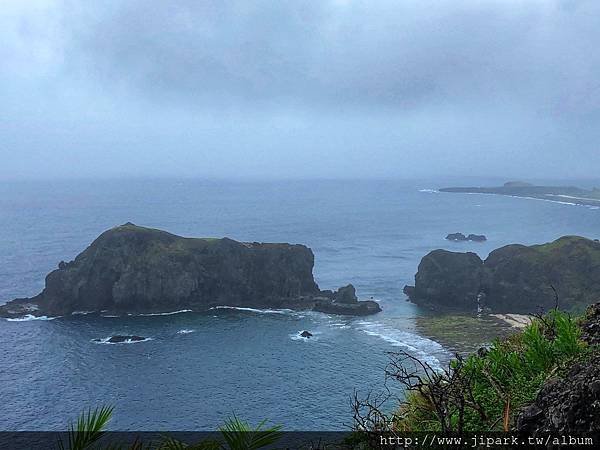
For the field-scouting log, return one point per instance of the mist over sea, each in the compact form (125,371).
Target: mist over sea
(194,370)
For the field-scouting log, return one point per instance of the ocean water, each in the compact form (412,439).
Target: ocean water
(194,370)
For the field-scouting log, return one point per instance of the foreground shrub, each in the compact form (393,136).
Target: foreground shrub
(482,392)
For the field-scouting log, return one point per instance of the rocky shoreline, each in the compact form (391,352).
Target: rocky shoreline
(136,270)
(512,279)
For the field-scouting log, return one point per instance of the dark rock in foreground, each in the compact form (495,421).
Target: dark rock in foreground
(131,269)
(459,237)
(590,325)
(514,278)
(566,406)
(569,404)
(306,334)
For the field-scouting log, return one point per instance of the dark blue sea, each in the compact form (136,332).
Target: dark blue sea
(198,369)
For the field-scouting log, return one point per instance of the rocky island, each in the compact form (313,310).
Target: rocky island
(568,194)
(460,237)
(133,270)
(512,279)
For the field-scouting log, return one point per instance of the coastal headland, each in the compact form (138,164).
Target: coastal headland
(567,194)
(136,270)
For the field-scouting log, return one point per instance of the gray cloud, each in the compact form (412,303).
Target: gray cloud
(389,53)
(319,88)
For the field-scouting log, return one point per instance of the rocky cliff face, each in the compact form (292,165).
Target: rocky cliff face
(514,278)
(567,405)
(447,279)
(571,404)
(131,269)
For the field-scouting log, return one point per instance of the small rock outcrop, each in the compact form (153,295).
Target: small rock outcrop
(476,237)
(346,295)
(514,278)
(132,269)
(306,334)
(459,237)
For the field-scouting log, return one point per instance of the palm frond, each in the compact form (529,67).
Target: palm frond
(88,429)
(170,443)
(239,435)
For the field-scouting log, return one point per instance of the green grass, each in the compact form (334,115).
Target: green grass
(501,380)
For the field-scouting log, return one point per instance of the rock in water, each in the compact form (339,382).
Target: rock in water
(456,237)
(459,237)
(132,269)
(306,334)
(346,294)
(514,278)
(447,279)
(476,238)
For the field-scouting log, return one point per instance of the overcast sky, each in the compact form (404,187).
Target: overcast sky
(288,89)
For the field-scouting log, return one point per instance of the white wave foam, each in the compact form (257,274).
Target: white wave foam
(181,311)
(574,198)
(423,347)
(338,325)
(29,317)
(127,341)
(185,331)
(81,313)
(536,198)
(430,191)
(258,311)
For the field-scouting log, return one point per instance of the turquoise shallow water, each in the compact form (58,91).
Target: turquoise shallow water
(197,369)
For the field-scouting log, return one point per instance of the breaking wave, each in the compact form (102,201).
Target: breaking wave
(185,331)
(181,311)
(127,341)
(258,311)
(29,317)
(420,346)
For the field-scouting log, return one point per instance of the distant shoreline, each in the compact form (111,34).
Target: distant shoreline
(558,194)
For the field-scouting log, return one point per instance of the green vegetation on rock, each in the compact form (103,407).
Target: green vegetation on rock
(131,269)
(489,390)
(512,279)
